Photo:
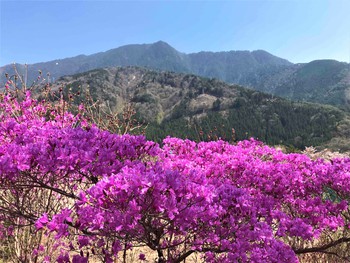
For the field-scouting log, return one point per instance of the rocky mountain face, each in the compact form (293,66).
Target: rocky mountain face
(190,106)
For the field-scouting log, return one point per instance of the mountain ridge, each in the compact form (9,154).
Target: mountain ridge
(320,81)
(81,63)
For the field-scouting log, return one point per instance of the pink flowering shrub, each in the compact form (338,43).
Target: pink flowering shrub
(232,203)
(47,155)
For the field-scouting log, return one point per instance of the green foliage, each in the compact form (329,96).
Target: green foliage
(143,98)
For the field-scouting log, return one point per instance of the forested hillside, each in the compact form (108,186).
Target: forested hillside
(198,108)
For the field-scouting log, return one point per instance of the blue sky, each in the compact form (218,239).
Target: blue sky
(298,30)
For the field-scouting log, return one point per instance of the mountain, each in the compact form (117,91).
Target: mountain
(321,81)
(158,55)
(232,66)
(189,106)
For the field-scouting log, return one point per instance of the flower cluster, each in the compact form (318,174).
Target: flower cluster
(231,203)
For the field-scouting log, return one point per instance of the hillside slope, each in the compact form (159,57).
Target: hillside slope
(190,106)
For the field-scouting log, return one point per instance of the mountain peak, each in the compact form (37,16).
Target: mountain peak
(263,56)
(161,43)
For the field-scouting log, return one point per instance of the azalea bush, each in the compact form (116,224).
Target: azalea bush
(97,195)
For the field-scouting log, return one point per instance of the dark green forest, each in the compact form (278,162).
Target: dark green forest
(274,121)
